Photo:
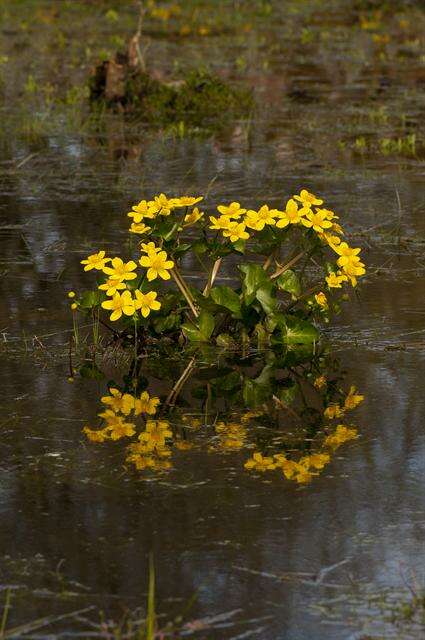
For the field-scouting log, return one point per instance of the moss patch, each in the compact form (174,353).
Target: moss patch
(200,99)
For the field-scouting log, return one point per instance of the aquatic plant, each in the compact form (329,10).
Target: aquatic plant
(287,266)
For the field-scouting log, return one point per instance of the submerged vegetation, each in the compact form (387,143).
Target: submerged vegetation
(302,253)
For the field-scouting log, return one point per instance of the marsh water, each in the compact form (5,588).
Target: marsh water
(339,557)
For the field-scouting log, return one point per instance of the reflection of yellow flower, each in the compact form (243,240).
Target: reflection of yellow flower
(146,302)
(260,463)
(156,432)
(95,261)
(120,303)
(342,434)
(118,402)
(145,404)
(320,382)
(308,199)
(141,462)
(316,460)
(116,425)
(99,435)
(157,264)
(232,435)
(333,411)
(353,399)
(183,445)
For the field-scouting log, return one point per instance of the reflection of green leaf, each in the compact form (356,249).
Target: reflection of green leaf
(287,395)
(91,299)
(298,331)
(255,394)
(289,281)
(226,297)
(225,340)
(265,298)
(254,278)
(167,323)
(92,371)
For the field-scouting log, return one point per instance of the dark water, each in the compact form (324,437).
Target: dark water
(76,527)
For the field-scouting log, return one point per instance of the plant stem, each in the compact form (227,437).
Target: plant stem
(288,265)
(212,276)
(186,293)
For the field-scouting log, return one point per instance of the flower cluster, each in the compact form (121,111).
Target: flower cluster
(292,240)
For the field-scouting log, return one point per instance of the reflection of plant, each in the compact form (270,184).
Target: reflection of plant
(299,245)
(278,405)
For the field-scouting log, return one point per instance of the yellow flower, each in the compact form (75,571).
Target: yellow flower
(71,294)
(120,303)
(353,269)
(318,221)
(220,223)
(260,463)
(353,399)
(335,280)
(342,434)
(185,201)
(347,253)
(333,411)
(291,215)
(145,404)
(95,261)
(331,240)
(116,425)
(146,302)
(321,300)
(319,382)
(111,286)
(121,270)
(149,247)
(194,216)
(74,306)
(163,205)
(232,210)
(142,210)
(258,219)
(236,231)
(99,435)
(139,228)
(308,199)
(157,265)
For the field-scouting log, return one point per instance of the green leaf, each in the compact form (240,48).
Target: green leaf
(255,394)
(239,246)
(254,278)
(265,298)
(289,281)
(206,325)
(91,299)
(191,332)
(181,249)
(200,247)
(226,297)
(297,331)
(167,323)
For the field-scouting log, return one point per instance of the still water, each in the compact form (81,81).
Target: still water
(266,557)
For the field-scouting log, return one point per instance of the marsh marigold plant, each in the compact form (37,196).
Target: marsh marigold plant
(293,265)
